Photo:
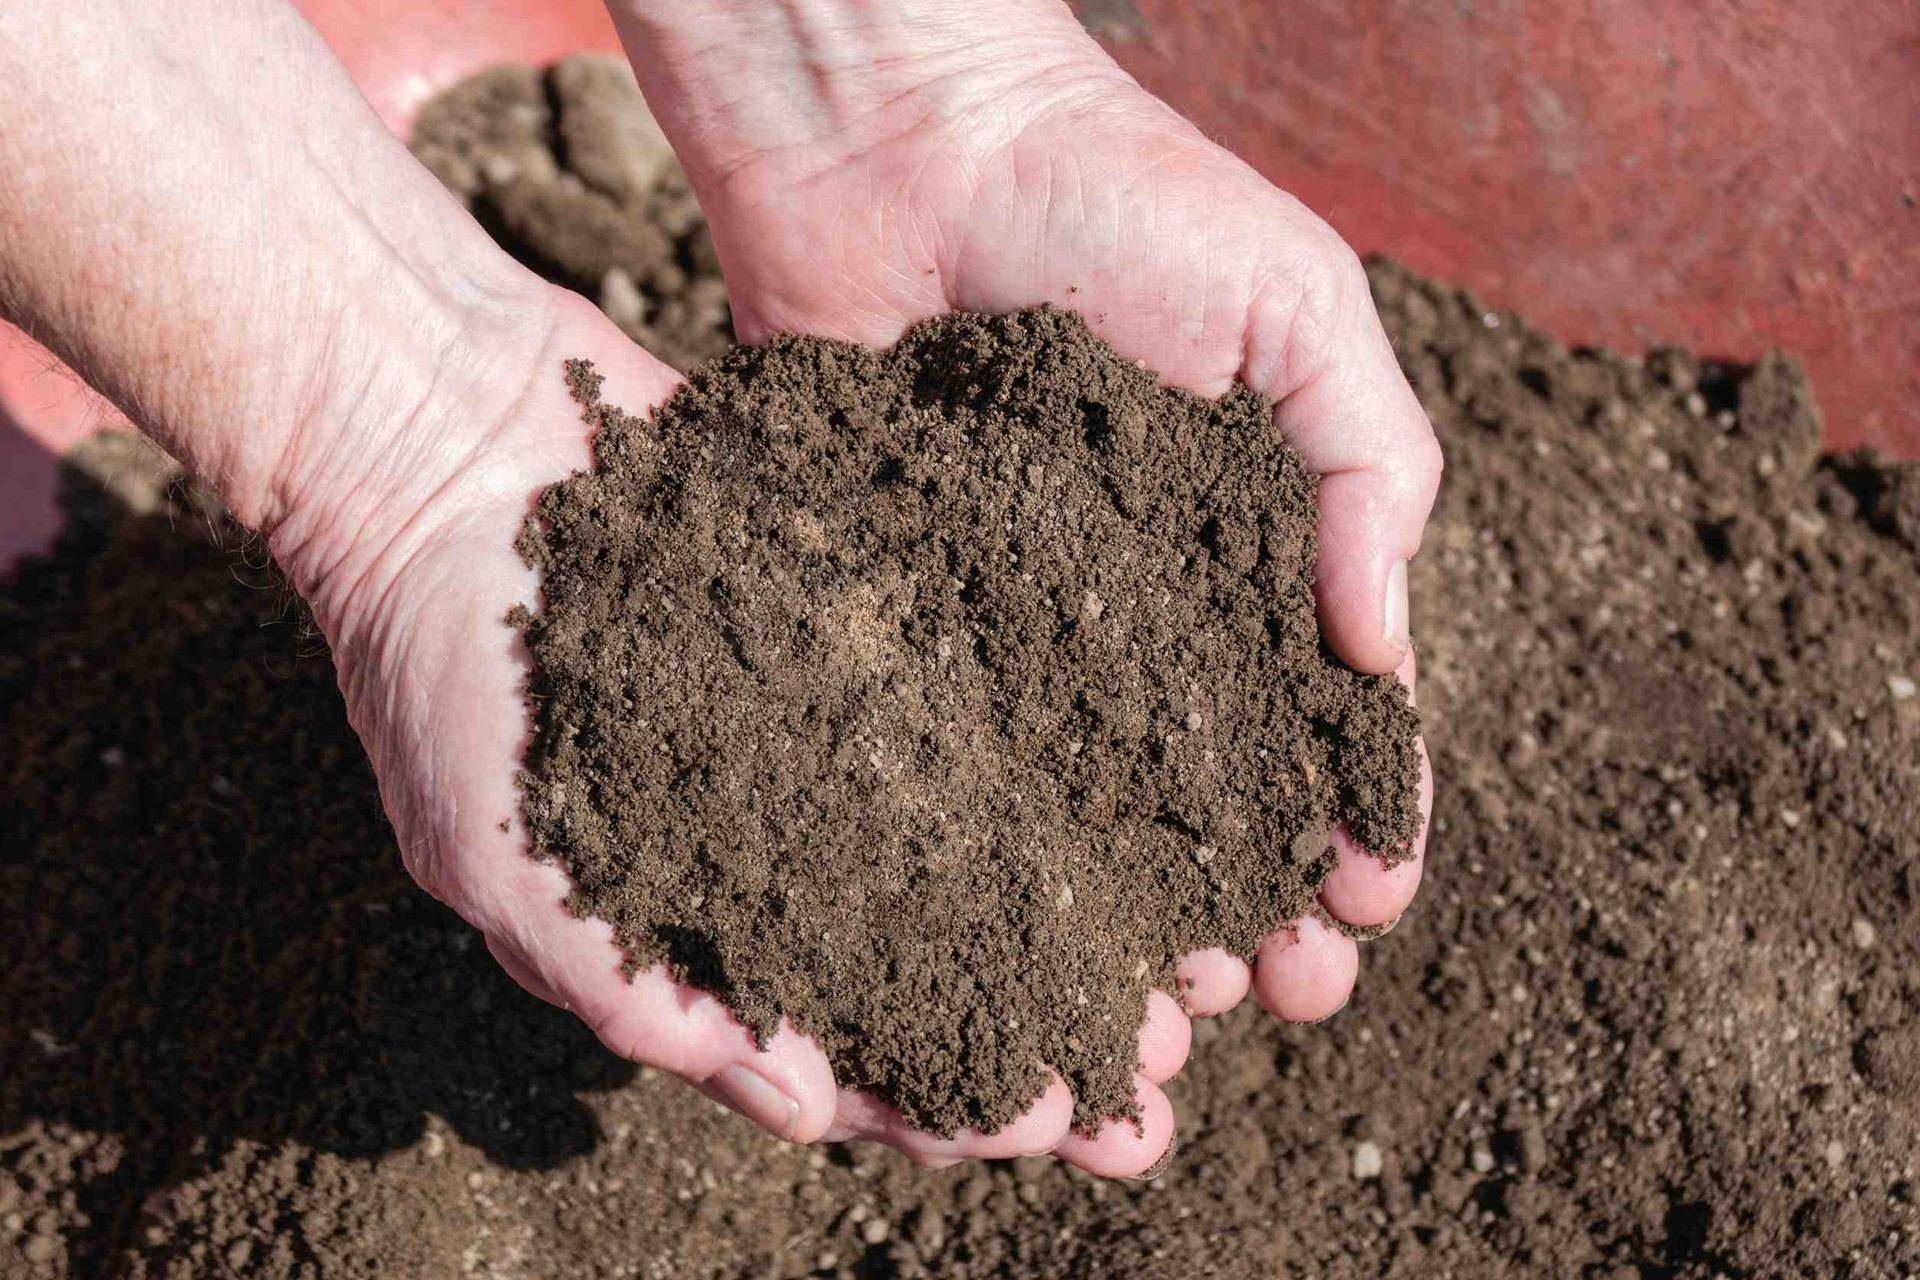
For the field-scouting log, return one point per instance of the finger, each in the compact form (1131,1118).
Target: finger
(784,1085)
(1213,981)
(1125,1148)
(767,1086)
(861,1116)
(1305,972)
(1166,1037)
(1361,889)
(1347,408)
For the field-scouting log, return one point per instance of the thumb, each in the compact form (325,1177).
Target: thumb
(1346,407)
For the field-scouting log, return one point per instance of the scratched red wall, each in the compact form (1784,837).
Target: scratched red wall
(1722,175)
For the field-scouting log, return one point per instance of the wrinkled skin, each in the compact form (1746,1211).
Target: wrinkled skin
(390,399)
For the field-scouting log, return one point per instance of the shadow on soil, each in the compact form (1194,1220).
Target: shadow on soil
(206,934)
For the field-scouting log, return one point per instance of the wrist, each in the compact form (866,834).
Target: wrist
(298,333)
(732,81)
(403,424)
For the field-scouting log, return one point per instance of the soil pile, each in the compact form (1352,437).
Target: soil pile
(941,699)
(568,170)
(1653,1016)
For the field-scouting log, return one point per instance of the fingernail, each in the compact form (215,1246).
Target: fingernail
(758,1099)
(1161,1165)
(1396,630)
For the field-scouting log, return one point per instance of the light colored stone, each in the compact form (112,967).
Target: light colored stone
(620,298)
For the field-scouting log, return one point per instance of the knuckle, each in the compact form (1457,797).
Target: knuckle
(1325,283)
(1425,460)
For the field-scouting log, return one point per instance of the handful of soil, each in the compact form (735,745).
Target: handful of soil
(940,699)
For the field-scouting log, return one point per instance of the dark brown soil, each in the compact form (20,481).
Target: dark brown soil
(1653,1016)
(940,699)
(569,171)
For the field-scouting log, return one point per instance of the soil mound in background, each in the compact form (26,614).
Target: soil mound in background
(568,170)
(940,699)
(1652,1015)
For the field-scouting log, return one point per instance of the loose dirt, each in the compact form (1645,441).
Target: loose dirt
(569,171)
(941,699)
(1651,1018)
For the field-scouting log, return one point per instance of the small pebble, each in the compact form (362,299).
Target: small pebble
(1790,818)
(1481,1159)
(1836,1154)
(1864,934)
(620,298)
(1901,687)
(1193,721)
(114,757)
(41,1249)
(1367,1160)
(876,1231)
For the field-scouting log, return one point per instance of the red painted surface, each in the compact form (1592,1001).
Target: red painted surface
(402,52)
(1724,175)
(1727,175)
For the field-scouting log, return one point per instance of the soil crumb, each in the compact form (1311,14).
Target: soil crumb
(940,699)
(568,170)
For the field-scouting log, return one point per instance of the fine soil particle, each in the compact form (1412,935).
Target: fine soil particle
(940,699)
(568,170)
(1641,1023)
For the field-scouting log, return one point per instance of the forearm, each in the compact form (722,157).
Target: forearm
(202,217)
(735,79)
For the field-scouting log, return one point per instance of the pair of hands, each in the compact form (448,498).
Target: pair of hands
(379,389)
